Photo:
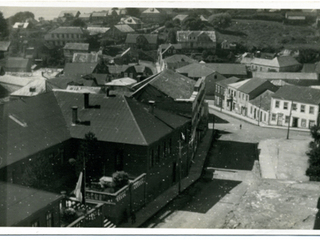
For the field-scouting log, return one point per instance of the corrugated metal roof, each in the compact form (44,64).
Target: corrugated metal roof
(19,203)
(74,30)
(298,94)
(77,46)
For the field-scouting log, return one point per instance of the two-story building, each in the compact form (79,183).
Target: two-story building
(197,39)
(277,64)
(221,95)
(63,35)
(295,106)
(71,48)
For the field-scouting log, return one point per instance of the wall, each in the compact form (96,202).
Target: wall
(253,112)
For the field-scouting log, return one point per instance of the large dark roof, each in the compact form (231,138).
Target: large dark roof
(79,69)
(225,82)
(298,94)
(18,203)
(251,85)
(196,70)
(170,83)
(151,38)
(228,68)
(17,62)
(263,101)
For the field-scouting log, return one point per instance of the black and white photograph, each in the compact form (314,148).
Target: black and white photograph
(138,118)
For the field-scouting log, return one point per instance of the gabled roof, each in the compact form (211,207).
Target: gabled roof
(180,17)
(179,58)
(17,62)
(116,69)
(151,38)
(282,61)
(85,15)
(228,68)
(79,68)
(124,28)
(170,83)
(33,88)
(183,36)
(237,85)
(4,45)
(251,85)
(18,202)
(77,46)
(122,82)
(263,101)
(85,57)
(72,30)
(298,94)
(227,81)
(96,30)
(286,75)
(196,70)
(153,11)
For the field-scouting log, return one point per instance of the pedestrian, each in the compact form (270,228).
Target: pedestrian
(133,217)
(240,126)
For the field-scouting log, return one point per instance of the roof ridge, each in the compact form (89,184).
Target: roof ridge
(134,120)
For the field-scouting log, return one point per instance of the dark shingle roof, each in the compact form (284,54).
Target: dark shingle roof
(225,82)
(251,85)
(79,69)
(298,94)
(18,203)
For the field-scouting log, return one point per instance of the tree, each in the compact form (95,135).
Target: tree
(172,37)
(3,26)
(120,179)
(313,170)
(78,23)
(220,20)
(169,24)
(193,24)
(134,12)
(20,17)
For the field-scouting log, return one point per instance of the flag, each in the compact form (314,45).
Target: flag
(78,190)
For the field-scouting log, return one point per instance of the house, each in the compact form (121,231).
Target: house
(86,17)
(153,16)
(135,71)
(277,64)
(295,78)
(240,93)
(33,88)
(175,62)
(134,137)
(26,207)
(62,35)
(174,92)
(229,69)
(85,57)
(259,107)
(133,22)
(79,69)
(167,50)
(197,39)
(118,32)
(69,15)
(181,18)
(16,64)
(142,41)
(199,70)
(99,17)
(4,48)
(221,95)
(295,106)
(70,48)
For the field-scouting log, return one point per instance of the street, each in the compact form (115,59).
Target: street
(228,174)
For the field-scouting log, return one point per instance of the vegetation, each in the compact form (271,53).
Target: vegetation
(120,179)
(20,17)
(3,26)
(314,155)
(221,20)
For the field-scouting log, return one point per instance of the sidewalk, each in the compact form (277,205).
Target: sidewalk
(161,201)
(252,121)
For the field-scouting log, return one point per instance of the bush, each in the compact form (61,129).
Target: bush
(120,179)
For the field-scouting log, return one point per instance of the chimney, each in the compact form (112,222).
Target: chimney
(151,103)
(74,115)
(86,100)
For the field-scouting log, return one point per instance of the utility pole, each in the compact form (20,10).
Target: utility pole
(289,120)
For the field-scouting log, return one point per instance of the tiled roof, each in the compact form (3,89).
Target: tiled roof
(183,36)
(4,45)
(151,38)
(282,61)
(77,46)
(17,62)
(286,75)
(227,81)
(124,28)
(298,94)
(18,202)
(96,30)
(196,70)
(253,84)
(79,69)
(263,101)
(74,30)
(228,68)
(170,83)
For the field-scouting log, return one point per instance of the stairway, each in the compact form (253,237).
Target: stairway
(108,224)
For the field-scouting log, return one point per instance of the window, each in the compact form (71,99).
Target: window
(35,223)
(170,146)
(311,110)
(285,105)
(311,123)
(303,123)
(164,149)
(286,119)
(302,108)
(273,117)
(247,98)
(264,117)
(294,107)
(251,110)
(49,219)
(277,104)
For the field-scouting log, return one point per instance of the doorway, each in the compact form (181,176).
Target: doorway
(295,122)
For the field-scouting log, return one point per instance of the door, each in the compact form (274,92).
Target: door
(280,116)
(295,122)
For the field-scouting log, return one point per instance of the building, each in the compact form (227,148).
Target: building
(85,57)
(295,106)
(86,17)
(229,69)
(277,64)
(93,31)
(133,22)
(181,18)
(21,25)
(4,48)
(174,92)
(71,48)
(221,95)
(153,16)
(175,62)
(118,33)
(99,17)
(240,93)
(167,50)
(259,107)
(142,41)
(69,14)
(79,69)
(62,35)
(197,40)
(16,64)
